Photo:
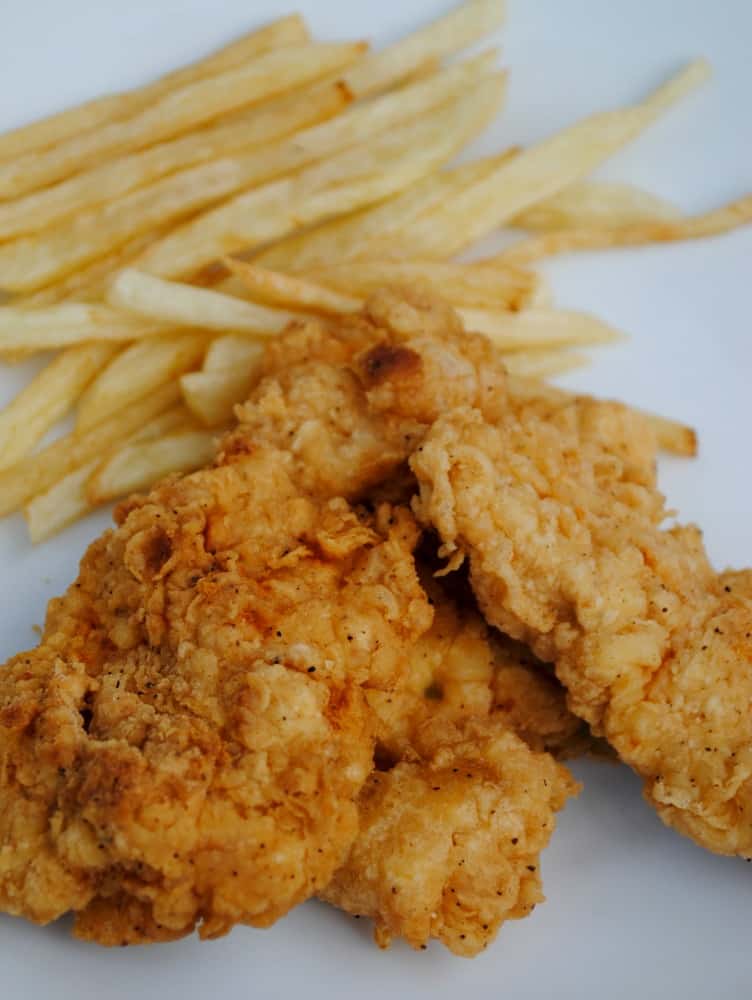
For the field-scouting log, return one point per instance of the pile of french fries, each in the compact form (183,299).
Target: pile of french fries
(155,238)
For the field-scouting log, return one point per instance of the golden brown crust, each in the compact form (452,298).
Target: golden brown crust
(188,742)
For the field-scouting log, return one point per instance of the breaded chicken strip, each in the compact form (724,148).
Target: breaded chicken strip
(455,815)
(568,553)
(450,837)
(187,744)
(461,669)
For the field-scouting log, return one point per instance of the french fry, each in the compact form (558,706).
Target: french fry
(257,126)
(66,324)
(537,328)
(179,110)
(537,173)
(543,364)
(137,466)
(63,503)
(277,289)
(139,370)
(56,128)
(715,223)
(349,180)
(211,395)
(90,283)
(596,204)
(461,27)
(233,352)
(352,236)
(67,500)
(47,398)
(37,473)
(173,302)
(33,261)
(479,285)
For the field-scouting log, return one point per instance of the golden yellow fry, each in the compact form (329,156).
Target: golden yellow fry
(461,27)
(277,289)
(63,503)
(349,180)
(56,128)
(139,370)
(233,353)
(352,236)
(66,324)
(104,182)
(542,364)
(596,204)
(211,395)
(537,327)
(67,500)
(177,418)
(537,173)
(721,220)
(90,283)
(137,466)
(178,111)
(184,305)
(48,397)
(479,285)
(37,473)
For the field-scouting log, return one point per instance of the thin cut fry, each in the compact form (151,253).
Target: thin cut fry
(461,27)
(67,500)
(90,283)
(596,203)
(56,128)
(171,301)
(178,111)
(233,352)
(352,236)
(479,285)
(257,126)
(536,328)
(47,398)
(137,466)
(374,169)
(537,173)
(359,176)
(543,364)
(722,220)
(276,289)
(69,323)
(37,473)
(212,395)
(139,370)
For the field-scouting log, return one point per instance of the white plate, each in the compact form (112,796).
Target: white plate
(633,910)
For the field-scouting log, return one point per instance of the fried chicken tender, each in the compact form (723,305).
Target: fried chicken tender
(187,744)
(568,553)
(450,837)
(461,669)
(455,815)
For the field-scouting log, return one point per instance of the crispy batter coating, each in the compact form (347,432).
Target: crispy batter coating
(450,837)
(568,553)
(461,669)
(325,391)
(459,808)
(187,744)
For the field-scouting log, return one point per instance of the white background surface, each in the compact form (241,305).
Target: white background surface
(634,911)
